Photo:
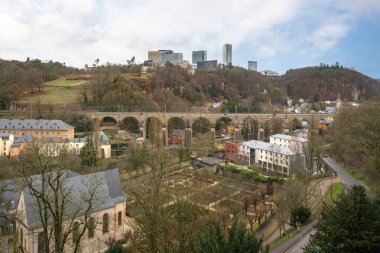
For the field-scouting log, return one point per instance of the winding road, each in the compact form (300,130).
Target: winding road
(299,241)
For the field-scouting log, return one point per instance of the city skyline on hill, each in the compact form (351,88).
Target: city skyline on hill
(278,35)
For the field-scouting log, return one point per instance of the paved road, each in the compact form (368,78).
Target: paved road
(299,241)
(296,243)
(347,179)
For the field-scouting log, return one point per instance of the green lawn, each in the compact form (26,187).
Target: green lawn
(337,189)
(63,82)
(58,92)
(52,95)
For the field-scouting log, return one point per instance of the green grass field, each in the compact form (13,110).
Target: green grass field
(58,92)
(63,82)
(337,189)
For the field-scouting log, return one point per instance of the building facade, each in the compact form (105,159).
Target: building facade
(154,57)
(200,55)
(227,54)
(37,128)
(176,57)
(297,144)
(52,146)
(252,65)
(271,156)
(6,140)
(207,65)
(106,222)
(231,151)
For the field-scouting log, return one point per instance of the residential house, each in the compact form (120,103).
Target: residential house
(6,140)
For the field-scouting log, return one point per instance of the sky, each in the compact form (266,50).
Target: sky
(279,35)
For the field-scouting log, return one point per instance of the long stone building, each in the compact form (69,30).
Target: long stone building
(37,128)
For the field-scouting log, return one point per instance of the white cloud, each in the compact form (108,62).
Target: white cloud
(77,32)
(327,36)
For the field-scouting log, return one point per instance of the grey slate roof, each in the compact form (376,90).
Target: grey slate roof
(5,136)
(289,137)
(253,144)
(108,193)
(33,124)
(211,161)
(21,139)
(103,138)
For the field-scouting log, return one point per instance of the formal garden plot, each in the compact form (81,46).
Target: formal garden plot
(199,183)
(203,198)
(222,190)
(229,206)
(242,195)
(224,197)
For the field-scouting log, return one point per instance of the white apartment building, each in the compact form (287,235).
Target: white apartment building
(298,144)
(271,156)
(6,140)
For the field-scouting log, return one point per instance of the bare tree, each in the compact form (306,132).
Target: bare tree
(62,213)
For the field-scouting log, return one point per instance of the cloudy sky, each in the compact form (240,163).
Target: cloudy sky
(279,34)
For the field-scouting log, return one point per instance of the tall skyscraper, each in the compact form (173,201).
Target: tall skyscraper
(252,65)
(197,56)
(227,54)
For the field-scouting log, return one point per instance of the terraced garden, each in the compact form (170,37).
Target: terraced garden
(221,196)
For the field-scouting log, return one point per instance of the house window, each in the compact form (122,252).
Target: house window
(91,227)
(41,243)
(21,237)
(119,218)
(105,223)
(75,232)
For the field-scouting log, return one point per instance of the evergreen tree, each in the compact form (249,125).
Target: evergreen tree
(299,216)
(238,239)
(89,152)
(351,225)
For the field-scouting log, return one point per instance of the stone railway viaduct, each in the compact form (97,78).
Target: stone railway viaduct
(141,119)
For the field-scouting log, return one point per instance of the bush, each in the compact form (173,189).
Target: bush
(299,216)
(116,248)
(253,174)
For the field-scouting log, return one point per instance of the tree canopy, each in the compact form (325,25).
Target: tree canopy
(352,224)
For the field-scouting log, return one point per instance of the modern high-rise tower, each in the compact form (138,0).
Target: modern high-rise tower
(227,54)
(197,56)
(252,65)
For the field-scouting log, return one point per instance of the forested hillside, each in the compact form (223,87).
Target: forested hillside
(19,78)
(324,83)
(121,87)
(239,89)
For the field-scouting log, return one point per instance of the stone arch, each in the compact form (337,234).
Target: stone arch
(224,125)
(273,126)
(201,125)
(130,124)
(108,121)
(176,130)
(249,129)
(294,124)
(153,130)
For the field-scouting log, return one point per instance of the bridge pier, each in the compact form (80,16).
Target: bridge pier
(164,130)
(142,132)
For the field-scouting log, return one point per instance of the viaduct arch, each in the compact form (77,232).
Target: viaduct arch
(266,123)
